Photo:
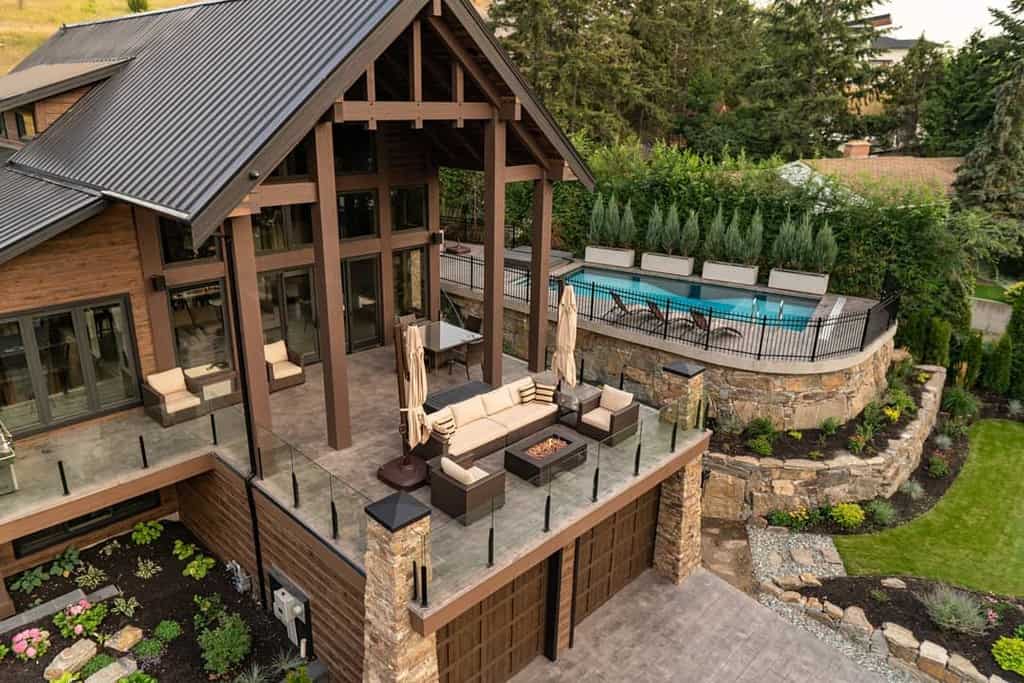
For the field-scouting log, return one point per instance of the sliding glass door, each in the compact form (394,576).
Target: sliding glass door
(288,308)
(64,364)
(361,282)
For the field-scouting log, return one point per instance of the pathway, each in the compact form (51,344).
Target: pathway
(705,630)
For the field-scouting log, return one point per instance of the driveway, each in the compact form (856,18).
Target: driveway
(704,630)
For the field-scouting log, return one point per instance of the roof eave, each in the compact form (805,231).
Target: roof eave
(51,89)
(53,229)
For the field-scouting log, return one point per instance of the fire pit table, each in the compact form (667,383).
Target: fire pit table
(541,456)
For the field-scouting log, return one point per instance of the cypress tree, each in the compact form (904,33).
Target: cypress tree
(612,223)
(656,238)
(627,230)
(597,221)
(735,248)
(1015,331)
(803,244)
(938,342)
(825,249)
(755,238)
(714,241)
(782,248)
(998,370)
(689,239)
(973,354)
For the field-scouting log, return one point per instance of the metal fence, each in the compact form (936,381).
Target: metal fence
(753,335)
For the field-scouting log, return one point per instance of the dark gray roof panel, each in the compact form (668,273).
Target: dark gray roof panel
(213,84)
(32,209)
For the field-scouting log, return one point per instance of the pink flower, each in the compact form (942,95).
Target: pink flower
(33,633)
(30,653)
(21,636)
(78,629)
(20,646)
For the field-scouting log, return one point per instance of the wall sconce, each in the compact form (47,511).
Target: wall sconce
(159,283)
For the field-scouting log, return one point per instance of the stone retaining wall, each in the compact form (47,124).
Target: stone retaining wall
(740,486)
(795,395)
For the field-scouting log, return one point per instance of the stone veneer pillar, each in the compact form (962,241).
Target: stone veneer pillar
(684,390)
(677,547)
(397,534)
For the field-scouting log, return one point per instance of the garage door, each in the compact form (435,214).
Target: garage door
(495,639)
(614,553)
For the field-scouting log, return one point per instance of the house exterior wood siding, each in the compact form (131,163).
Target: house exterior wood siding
(52,108)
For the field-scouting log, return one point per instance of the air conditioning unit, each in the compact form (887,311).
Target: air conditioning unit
(288,609)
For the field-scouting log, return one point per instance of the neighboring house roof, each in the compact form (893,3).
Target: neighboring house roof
(34,210)
(887,43)
(215,94)
(935,172)
(34,83)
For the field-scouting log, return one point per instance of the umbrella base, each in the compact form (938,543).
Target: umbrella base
(404,474)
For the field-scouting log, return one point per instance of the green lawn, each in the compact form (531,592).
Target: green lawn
(974,536)
(990,291)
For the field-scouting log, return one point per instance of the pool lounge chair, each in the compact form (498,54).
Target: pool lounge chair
(623,311)
(675,320)
(716,327)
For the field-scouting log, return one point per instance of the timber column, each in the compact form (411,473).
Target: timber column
(397,536)
(494,249)
(330,304)
(540,270)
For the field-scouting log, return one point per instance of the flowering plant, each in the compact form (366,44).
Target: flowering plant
(30,644)
(80,618)
(893,413)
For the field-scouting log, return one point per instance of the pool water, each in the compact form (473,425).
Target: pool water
(684,295)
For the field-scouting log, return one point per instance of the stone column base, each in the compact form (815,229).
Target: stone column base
(677,548)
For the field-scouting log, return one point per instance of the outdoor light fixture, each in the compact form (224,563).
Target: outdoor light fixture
(159,283)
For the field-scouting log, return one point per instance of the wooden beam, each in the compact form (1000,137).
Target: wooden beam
(435,8)
(354,112)
(518,174)
(540,269)
(511,109)
(285,193)
(248,207)
(494,249)
(416,69)
(147,234)
(459,89)
(371,82)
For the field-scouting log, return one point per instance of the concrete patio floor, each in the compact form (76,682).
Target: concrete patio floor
(704,630)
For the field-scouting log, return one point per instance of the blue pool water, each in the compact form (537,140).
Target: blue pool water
(684,295)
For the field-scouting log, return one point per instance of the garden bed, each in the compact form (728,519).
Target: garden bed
(166,596)
(903,607)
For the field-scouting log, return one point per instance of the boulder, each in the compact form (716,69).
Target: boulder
(831,555)
(114,672)
(834,612)
(723,496)
(813,605)
(125,639)
(70,659)
(902,643)
(789,582)
(802,556)
(932,659)
(855,623)
(966,671)
(810,580)
(770,588)
(879,644)
(895,584)
(792,597)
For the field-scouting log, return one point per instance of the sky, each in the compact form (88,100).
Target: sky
(950,21)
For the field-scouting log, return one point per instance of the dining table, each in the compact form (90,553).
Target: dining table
(440,337)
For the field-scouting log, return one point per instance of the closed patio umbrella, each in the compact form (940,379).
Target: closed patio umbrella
(564,360)
(416,388)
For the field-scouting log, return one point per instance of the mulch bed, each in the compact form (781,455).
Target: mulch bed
(166,596)
(811,440)
(994,406)
(904,608)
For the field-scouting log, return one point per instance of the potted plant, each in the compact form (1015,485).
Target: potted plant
(611,234)
(664,238)
(730,255)
(803,258)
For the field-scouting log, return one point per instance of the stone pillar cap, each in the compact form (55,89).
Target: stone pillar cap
(684,368)
(397,511)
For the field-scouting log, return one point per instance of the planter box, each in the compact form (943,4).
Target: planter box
(733,273)
(608,256)
(798,281)
(663,263)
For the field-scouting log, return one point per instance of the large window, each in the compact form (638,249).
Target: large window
(200,326)
(299,163)
(283,227)
(288,310)
(409,208)
(66,363)
(176,243)
(357,214)
(26,121)
(355,149)
(411,282)
(3,127)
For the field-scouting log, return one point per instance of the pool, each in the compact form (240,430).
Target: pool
(683,295)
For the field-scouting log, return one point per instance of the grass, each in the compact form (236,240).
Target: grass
(974,536)
(24,29)
(991,291)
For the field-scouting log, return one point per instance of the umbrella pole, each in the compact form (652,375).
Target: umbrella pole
(405,473)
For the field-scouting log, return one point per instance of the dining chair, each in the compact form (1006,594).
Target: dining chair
(471,354)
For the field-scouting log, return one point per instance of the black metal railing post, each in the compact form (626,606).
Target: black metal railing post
(547,507)
(760,343)
(213,429)
(593,297)
(817,336)
(334,511)
(622,379)
(63,478)
(707,332)
(424,602)
(142,452)
(668,313)
(472,278)
(490,538)
(597,474)
(295,483)
(415,581)
(639,448)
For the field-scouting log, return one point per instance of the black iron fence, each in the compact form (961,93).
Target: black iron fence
(754,335)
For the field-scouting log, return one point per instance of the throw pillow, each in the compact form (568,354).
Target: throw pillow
(527,393)
(545,393)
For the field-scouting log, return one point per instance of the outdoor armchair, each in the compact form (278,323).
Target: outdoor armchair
(465,493)
(612,413)
(285,368)
(169,399)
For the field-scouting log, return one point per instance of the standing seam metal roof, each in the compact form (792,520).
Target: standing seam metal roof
(31,205)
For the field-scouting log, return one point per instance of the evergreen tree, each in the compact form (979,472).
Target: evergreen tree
(735,248)
(597,221)
(755,239)
(714,241)
(612,222)
(826,251)
(997,372)
(627,231)
(972,356)
(905,88)
(1011,21)
(689,239)
(655,239)
(782,248)
(803,244)
(1015,331)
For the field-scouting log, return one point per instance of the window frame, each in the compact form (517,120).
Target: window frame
(163,221)
(376,215)
(339,139)
(229,341)
(288,223)
(425,207)
(20,115)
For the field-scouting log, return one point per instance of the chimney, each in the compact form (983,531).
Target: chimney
(857,149)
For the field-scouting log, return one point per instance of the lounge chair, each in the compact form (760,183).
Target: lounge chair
(623,311)
(612,414)
(674,319)
(715,328)
(285,368)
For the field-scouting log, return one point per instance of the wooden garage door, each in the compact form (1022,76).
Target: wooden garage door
(614,553)
(496,638)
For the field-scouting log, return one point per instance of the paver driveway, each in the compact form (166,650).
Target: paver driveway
(705,630)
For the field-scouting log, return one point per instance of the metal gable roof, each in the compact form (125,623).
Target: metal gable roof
(43,80)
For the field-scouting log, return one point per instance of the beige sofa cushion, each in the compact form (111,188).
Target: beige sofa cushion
(519,416)
(468,411)
(179,401)
(276,352)
(474,435)
(514,387)
(285,368)
(463,475)
(167,382)
(600,418)
(442,421)
(615,399)
(497,401)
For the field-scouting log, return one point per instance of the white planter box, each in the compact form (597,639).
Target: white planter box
(663,263)
(608,256)
(798,281)
(733,273)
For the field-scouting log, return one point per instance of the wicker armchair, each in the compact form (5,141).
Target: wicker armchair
(612,413)
(169,399)
(285,368)
(469,499)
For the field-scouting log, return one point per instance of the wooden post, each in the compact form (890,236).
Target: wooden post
(434,250)
(250,322)
(416,68)
(330,303)
(147,234)
(494,248)
(540,268)
(387,264)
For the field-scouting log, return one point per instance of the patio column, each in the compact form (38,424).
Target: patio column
(329,301)
(242,250)
(397,536)
(540,270)
(677,547)
(434,248)
(494,249)
(147,234)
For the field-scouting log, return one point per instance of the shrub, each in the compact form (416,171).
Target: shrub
(689,238)
(761,445)
(761,426)
(183,551)
(735,248)
(797,520)
(880,511)
(960,404)
(937,346)
(816,455)
(596,235)
(299,675)
(225,646)
(782,249)
(900,398)
(199,567)
(830,426)
(110,548)
(29,581)
(612,223)
(254,674)
(873,416)
(971,358)
(943,442)
(125,606)
(149,648)
(954,429)
(879,596)
(627,229)
(147,569)
(954,610)
(913,489)
(66,563)
(145,533)
(847,515)
(209,611)
(826,251)
(138,5)
(90,578)
(1015,408)
(1009,654)
(998,367)
(138,677)
(1019,631)
(100,661)
(857,443)
(754,242)
(81,618)
(167,630)
(655,240)
(795,435)
(803,243)
(937,468)
(4,651)
(729,423)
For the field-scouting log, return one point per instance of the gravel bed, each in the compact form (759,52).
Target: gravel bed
(771,553)
(858,652)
